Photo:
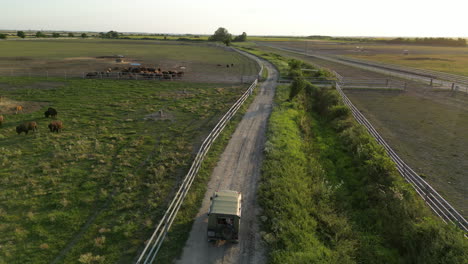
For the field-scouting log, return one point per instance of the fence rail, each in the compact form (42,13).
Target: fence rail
(438,80)
(157,238)
(436,202)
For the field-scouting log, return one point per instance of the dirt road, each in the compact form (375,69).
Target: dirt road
(238,169)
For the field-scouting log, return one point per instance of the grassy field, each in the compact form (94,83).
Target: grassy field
(445,59)
(79,55)
(100,185)
(429,136)
(449,63)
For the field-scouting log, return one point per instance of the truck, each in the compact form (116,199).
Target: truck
(224,216)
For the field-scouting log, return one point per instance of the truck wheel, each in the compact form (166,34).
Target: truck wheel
(227,233)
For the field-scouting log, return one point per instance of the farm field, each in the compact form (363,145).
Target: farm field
(444,59)
(94,191)
(425,127)
(201,62)
(428,135)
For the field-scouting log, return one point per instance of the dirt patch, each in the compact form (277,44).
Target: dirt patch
(8,106)
(80,58)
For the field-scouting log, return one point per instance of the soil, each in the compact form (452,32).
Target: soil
(238,169)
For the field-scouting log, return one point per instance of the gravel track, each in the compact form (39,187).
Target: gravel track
(238,169)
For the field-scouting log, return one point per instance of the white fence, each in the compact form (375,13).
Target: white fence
(436,202)
(157,238)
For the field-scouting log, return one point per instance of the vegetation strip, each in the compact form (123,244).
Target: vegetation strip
(331,194)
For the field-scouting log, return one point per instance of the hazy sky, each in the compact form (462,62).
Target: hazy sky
(256,17)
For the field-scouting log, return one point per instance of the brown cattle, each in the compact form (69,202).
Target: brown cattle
(25,127)
(18,108)
(1,120)
(55,126)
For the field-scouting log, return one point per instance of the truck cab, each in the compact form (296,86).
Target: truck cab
(224,216)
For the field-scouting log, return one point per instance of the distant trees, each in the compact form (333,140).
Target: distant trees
(110,34)
(71,35)
(39,34)
(460,42)
(241,38)
(83,35)
(21,34)
(222,34)
(3,36)
(56,35)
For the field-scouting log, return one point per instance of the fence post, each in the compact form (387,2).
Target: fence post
(431,83)
(453,86)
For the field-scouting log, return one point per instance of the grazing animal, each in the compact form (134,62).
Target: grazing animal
(1,120)
(50,112)
(25,127)
(55,126)
(19,108)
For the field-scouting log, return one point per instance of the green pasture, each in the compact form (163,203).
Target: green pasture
(57,49)
(449,63)
(100,185)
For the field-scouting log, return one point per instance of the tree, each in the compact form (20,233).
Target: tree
(83,35)
(39,34)
(241,38)
(55,35)
(3,36)
(71,35)
(21,34)
(227,41)
(220,35)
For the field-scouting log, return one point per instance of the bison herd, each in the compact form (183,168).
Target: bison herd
(54,126)
(136,73)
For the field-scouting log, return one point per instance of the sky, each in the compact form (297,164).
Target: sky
(390,18)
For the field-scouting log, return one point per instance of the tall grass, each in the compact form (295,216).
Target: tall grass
(331,194)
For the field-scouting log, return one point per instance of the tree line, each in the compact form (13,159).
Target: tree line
(40,34)
(451,42)
(460,42)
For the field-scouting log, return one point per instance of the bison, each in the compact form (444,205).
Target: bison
(50,112)
(1,120)
(18,108)
(25,127)
(55,126)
